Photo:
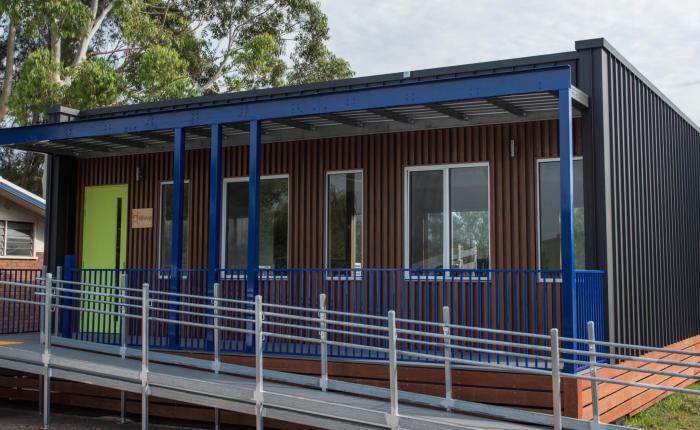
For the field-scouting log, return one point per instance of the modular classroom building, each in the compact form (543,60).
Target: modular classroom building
(530,193)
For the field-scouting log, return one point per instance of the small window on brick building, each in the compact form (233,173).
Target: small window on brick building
(16,239)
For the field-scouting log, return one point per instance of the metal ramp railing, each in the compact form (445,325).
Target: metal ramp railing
(299,398)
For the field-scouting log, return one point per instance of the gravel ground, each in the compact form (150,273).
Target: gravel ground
(20,416)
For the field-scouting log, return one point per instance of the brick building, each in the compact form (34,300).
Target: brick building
(22,221)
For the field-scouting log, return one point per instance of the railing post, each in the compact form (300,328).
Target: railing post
(594,373)
(447,350)
(258,363)
(46,356)
(556,378)
(42,315)
(216,366)
(323,333)
(56,311)
(393,419)
(145,336)
(122,335)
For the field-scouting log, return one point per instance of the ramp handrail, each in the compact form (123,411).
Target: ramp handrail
(393,337)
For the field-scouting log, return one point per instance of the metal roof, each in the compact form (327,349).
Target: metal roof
(466,70)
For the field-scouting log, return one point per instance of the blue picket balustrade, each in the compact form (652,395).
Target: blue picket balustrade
(502,299)
(590,306)
(17,313)
(511,300)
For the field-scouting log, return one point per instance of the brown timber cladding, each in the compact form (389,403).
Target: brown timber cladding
(382,158)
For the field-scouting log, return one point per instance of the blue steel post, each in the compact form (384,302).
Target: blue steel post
(176,245)
(566,180)
(215,183)
(255,152)
(254,209)
(213,254)
(67,315)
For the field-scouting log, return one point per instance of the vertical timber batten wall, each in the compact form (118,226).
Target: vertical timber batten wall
(382,158)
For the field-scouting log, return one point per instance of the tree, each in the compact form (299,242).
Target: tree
(22,168)
(95,53)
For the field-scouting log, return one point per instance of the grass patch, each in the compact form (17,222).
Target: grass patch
(678,412)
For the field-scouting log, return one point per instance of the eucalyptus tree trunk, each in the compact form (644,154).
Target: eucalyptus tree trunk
(55,44)
(9,70)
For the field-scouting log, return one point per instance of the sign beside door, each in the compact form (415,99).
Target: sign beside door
(142,218)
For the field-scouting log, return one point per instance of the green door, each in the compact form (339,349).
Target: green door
(104,247)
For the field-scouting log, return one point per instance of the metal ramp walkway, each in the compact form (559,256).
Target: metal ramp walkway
(186,380)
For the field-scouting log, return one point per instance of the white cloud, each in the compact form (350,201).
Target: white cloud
(662,39)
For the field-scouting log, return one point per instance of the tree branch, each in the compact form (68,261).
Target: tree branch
(110,52)
(233,30)
(55,45)
(9,70)
(94,26)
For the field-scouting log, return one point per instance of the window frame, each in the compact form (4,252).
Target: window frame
(4,255)
(447,242)
(224,200)
(160,219)
(326,243)
(537,218)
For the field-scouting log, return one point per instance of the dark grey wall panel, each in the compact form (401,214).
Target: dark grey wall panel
(654,175)
(60,210)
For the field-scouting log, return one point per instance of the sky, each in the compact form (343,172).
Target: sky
(660,38)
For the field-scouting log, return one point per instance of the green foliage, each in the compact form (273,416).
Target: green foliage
(257,64)
(148,50)
(35,92)
(22,168)
(138,25)
(320,68)
(94,83)
(160,74)
(67,18)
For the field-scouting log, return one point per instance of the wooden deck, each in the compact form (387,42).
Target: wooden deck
(618,401)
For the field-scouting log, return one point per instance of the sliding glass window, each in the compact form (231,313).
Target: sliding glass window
(448,217)
(344,220)
(550,215)
(469,218)
(274,216)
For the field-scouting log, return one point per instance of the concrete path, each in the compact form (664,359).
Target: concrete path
(20,416)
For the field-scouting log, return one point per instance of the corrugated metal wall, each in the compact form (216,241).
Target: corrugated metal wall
(382,158)
(654,165)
